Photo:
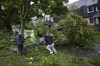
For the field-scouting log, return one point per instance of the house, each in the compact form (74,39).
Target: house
(89,10)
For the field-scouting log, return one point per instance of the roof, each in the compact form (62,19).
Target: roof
(81,3)
(97,14)
(91,2)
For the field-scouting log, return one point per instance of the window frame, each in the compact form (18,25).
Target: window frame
(97,8)
(90,20)
(90,11)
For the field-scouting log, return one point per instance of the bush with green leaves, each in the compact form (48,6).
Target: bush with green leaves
(58,35)
(77,31)
(6,39)
(51,60)
(94,61)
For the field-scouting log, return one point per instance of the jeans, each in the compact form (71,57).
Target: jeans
(51,48)
(20,48)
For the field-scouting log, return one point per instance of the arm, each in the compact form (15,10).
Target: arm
(22,38)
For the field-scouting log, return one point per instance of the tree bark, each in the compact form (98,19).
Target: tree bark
(23,18)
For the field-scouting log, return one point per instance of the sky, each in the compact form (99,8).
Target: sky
(71,1)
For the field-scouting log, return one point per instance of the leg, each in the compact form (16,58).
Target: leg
(53,48)
(37,47)
(20,48)
(48,47)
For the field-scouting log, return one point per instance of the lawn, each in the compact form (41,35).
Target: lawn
(43,58)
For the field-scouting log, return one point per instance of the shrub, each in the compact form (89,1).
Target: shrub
(58,35)
(50,61)
(77,31)
(6,39)
(94,61)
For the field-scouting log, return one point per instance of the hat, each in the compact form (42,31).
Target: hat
(16,32)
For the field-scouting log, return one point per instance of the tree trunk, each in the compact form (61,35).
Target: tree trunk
(22,25)
(23,18)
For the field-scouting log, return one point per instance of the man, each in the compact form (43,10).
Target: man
(19,41)
(48,22)
(50,43)
(34,40)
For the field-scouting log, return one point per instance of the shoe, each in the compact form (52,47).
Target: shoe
(99,52)
(51,52)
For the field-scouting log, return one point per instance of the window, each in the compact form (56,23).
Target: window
(91,20)
(97,8)
(90,9)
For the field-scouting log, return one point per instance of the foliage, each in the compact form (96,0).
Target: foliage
(6,40)
(58,35)
(77,31)
(62,58)
(9,14)
(94,61)
(22,10)
(50,61)
(76,60)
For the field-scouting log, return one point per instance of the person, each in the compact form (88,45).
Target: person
(19,41)
(48,22)
(34,40)
(50,43)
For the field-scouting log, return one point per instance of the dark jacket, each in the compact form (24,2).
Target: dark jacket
(19,39)
(48,23)
(48,39)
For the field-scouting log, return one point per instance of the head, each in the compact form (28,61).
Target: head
(51,34)
(16,32)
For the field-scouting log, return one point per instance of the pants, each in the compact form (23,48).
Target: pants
(20,48)
(51,48)
(41,39)
(36,44)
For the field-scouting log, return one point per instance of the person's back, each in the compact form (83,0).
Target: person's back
(34,40)
(50,43)
(49,39)
(34,35)
(18,38)
(19,41)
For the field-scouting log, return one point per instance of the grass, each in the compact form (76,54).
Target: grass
(63,57)
(8,58)
(97,39)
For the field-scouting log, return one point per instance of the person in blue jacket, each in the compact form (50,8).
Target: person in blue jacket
(49,40)
(19,41)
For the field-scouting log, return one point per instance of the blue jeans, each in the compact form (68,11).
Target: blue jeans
(20,48)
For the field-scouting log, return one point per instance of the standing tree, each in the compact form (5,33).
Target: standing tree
(14,9)
(8,12)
